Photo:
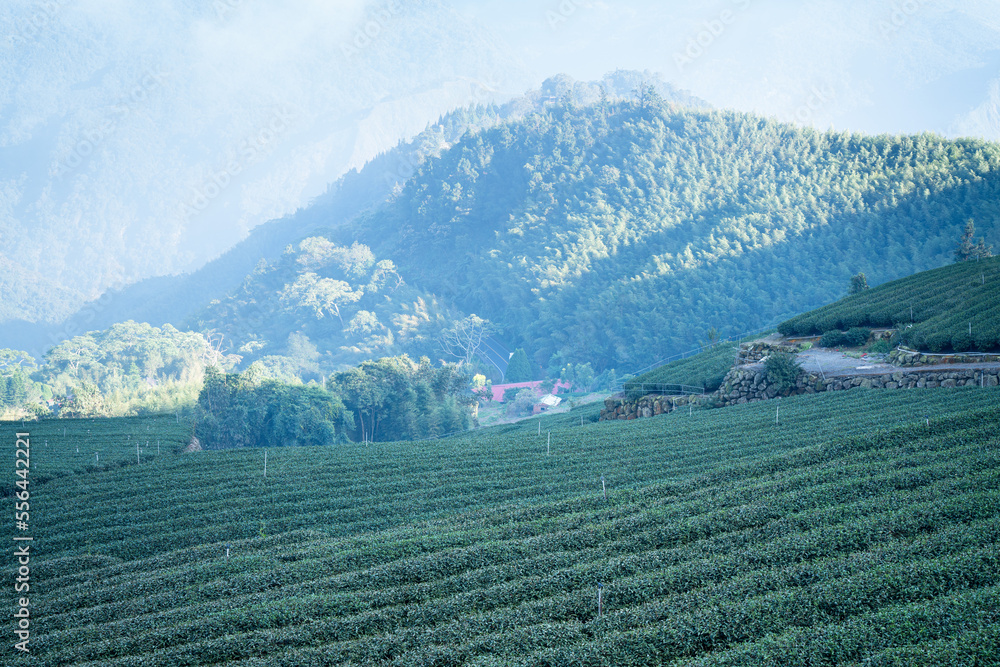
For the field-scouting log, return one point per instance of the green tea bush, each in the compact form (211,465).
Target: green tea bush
(854,337)
(782,370)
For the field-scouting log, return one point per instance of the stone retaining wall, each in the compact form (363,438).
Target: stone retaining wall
(748,385)
(751,353)
(906,358)
(647,406)
(744,386)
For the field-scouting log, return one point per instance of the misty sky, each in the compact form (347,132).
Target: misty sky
(860,65)
(145,138)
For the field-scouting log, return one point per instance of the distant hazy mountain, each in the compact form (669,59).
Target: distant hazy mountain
(179,300)
(144,139)
(614,233)
(984,120)
(141,139)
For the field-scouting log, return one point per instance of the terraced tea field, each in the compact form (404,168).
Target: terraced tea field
(861,529)
(955,307)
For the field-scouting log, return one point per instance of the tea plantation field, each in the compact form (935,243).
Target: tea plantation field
(861,529)
(955,307)
(706,370)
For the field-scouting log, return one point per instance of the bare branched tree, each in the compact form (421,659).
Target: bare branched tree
(466,337)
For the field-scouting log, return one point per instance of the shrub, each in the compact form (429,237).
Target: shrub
(782,370)
(713,383)
(961,342)
(881,346)
(832,339)
(857,336)
(854,337)
(523,403)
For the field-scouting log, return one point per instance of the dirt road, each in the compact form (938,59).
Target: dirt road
(832,364)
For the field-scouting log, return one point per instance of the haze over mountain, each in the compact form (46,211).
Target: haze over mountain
(905,66)
(141,140)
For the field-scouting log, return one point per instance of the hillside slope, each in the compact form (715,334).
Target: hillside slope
(181,299)
(956,307)
(583,230)
(851,531)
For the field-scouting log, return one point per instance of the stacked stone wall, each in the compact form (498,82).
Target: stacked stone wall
(908,358)
(619,408)
(751,353)
(744,385)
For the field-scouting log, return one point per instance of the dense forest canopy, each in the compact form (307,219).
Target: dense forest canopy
(323,307)
(620,232)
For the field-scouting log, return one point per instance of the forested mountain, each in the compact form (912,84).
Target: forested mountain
(181,299)
(592,228)
(620,232)
(175,299)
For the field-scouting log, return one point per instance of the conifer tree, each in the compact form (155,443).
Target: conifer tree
(519,368)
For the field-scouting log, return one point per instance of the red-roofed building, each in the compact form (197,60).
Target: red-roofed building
(499,389)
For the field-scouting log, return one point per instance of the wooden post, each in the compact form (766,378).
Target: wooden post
(600,600)
(548,447)
(137,452)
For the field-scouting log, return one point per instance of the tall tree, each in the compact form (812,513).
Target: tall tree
(859,283)
(968,249)
(518,368)
(465,338)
